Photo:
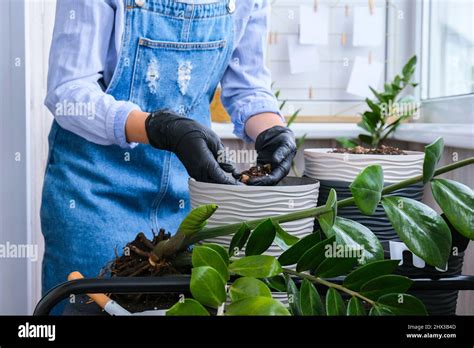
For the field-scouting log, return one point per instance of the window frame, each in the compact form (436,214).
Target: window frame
(434,110)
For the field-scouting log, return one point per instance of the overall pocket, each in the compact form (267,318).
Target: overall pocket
(174,75)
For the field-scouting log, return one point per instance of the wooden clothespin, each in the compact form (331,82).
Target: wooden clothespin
(343,39)
(271,38)
(371,7)
(315,5)
(370,57)
(310,92)
(346,10)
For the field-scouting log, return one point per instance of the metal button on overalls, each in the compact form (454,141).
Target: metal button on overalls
(231,6)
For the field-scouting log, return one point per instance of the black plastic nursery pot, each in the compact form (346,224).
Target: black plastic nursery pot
(441,302)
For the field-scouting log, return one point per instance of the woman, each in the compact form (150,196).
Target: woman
(130,82)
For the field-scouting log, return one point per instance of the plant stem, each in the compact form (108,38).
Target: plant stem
(328,284)
(314,212)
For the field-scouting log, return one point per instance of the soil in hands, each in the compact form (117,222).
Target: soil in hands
(134,262)
(254,172)
(381,150)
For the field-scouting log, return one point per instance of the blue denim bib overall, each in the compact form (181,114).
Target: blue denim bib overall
(97,198)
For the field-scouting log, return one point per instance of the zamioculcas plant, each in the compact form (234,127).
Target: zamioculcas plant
(387,111)
(342,248)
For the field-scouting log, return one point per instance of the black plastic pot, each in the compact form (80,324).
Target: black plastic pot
(437,302)
(378,222)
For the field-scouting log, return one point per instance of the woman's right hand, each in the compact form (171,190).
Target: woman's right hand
(197,147)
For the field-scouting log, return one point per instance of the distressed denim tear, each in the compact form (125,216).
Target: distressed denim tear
(184,76)
(152,75)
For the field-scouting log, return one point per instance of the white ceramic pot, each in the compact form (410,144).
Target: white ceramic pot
(241,203)
(321,164)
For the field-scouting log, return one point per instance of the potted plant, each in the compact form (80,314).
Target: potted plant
(342,247)
(337,168)
(242,202)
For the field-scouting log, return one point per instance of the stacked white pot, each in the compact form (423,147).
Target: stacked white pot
(338,170)
(242,202)
(322,164)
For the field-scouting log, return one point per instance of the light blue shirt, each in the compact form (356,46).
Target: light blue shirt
(85,51)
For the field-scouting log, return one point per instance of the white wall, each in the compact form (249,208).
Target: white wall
(13,161)
(40,19)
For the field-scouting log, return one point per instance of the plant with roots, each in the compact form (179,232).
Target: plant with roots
(369,285)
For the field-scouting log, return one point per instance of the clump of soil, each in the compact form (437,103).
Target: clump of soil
(134,262)
(381,150)
(254,172)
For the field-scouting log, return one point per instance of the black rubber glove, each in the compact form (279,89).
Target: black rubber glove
(275,146)
(197,147)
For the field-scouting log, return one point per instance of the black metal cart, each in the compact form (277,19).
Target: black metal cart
(180,284)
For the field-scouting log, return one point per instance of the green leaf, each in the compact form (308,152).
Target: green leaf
(335,266)
(293,296)
(433,153)
(293,117)
(207,286)
(239,239)
(189,307)
(219,249)
(257,306)
(364,273)
(359,237)
(409,67)
(300,141)
(283,239)
(334,303)
(368,126)
(374,107)
(355,307)
(257,266)
(196,219)
(276,283)
(366,139)
(293,254)
(367,189)
(248,287)
(327,220)
(314,256)
(310,301)
(372,118)
(424,232)
(384,285)
(346,143)
(379,96)
(205,256)
(398,304)
(457,202)
(261,238)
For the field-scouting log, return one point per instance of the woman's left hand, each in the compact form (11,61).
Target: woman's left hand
(275,146)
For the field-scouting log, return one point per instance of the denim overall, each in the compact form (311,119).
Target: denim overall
(97,198)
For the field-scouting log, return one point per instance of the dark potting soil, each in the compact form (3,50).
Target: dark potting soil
(134,262)
(254,172)
(360,150)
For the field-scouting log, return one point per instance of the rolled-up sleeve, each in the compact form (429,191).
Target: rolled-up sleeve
(81,40)
(246,84)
